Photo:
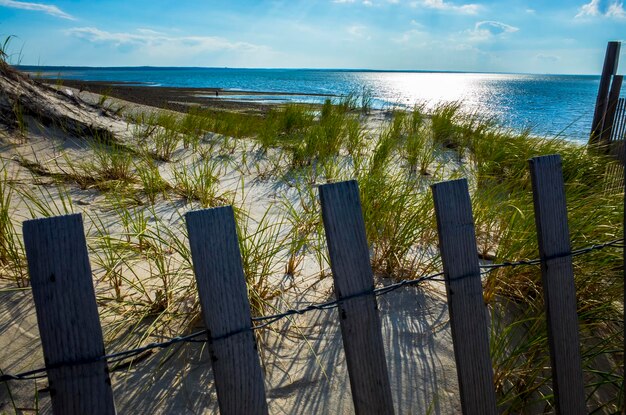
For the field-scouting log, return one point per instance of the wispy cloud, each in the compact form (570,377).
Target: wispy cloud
(446,6)
(38,7)
(364,2)
(597,8)
(590,9)
(147,37)
(495,28)
(547,58)
(489,29)
(616,10)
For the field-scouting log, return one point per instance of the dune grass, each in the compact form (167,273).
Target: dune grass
(145,263)
(505,226)
(12,261)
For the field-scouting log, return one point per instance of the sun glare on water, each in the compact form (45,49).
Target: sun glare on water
(433,88)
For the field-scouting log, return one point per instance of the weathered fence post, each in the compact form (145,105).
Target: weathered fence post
(468,314)
(611,60)
(226,309)
(359,319)
(67,316)
(558,283)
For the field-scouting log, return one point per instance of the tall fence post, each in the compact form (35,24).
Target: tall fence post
(226,310)
(359,319)
(67,315)
(558,283)
(468,314)
(611,60)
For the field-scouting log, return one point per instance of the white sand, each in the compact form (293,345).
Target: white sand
(305,371)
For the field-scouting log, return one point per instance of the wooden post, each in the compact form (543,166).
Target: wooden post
(468,314)
(611,60)
(226,309)
(67,316)
(352,273)
(607,129)
(558,284)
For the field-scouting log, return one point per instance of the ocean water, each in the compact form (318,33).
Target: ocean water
(550,105)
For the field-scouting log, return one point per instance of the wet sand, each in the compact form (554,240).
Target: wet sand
(172,98)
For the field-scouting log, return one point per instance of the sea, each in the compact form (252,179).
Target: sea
(559,106)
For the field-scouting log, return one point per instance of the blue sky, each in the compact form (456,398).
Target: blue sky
(559,36)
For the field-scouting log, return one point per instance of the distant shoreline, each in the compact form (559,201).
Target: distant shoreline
(174,98)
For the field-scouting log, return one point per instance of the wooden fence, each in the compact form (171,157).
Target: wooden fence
(616,124)
(72,339)
(608,128)
(608,92)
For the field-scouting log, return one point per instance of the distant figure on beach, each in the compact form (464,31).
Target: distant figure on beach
(216,93)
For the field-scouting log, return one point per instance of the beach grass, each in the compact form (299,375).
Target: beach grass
(178,162)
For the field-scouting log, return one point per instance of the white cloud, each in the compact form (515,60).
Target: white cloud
(488,29)
(495,28)
(616,10)
(596,8)
(39,7)
(364,2)
(444,6)
(149,32)
(149,47)
(590,9)
(147,37)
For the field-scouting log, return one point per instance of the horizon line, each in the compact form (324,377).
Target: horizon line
(302,69)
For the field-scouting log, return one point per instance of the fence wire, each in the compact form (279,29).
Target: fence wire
(261,322)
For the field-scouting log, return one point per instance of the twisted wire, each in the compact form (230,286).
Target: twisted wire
(265,321)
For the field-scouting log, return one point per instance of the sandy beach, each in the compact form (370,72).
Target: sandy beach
(302,357)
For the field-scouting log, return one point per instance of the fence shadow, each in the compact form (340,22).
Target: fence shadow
(19,340)
(177,381)
(419,351)
(309,374)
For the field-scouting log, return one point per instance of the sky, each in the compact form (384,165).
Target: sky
(520,36)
